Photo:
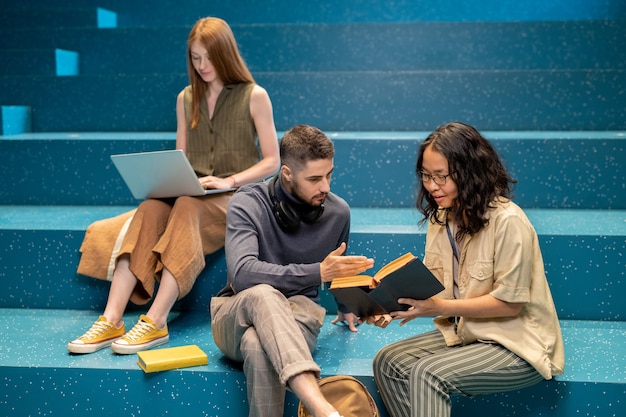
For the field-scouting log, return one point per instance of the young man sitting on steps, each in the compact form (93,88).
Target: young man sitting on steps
(283,239)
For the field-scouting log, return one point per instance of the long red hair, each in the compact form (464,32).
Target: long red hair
(218,39)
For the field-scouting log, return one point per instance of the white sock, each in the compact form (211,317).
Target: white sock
(335,414)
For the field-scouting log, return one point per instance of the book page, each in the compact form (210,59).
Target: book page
(394,265)
(353,281)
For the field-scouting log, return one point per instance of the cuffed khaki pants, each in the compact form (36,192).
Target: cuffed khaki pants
(273,336)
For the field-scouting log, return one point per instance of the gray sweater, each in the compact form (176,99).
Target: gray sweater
(258,251)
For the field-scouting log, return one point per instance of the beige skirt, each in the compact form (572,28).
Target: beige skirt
(175,234)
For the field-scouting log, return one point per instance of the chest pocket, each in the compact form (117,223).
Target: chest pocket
(433,262)
(479,278)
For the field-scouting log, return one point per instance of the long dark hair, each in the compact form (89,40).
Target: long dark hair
(474,166)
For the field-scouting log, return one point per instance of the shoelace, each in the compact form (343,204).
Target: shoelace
(139,330)
(96,330)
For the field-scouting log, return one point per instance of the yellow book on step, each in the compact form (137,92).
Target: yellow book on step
(171,358)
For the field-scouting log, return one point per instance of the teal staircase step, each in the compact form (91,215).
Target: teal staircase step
(422,100)
(39,247)
(40,376)
(145,13)
(349,46)
(568,100)
(564,75)
(56,160)
(451,46)
(582,170)
(47,16)
(553,169)
(50,62)
(582,252)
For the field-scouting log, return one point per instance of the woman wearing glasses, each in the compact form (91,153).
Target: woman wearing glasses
(496,324)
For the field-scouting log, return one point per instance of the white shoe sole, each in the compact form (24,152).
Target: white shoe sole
(123,349)
(89,347)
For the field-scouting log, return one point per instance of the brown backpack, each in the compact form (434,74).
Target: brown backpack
(348,395)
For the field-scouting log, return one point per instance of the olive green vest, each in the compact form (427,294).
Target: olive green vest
(227,143)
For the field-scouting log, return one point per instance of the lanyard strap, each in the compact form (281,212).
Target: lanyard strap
(452,242)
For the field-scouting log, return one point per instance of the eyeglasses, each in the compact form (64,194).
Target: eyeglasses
(437,179)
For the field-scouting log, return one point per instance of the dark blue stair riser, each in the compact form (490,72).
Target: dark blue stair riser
(223,394)
(51,17)
(58,172)
(360,101)
(288,11)
(586,273)
(547,399)
(551,173)
(346,47)
(46,62)
(175,12)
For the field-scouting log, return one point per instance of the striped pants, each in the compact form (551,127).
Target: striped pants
(416,376)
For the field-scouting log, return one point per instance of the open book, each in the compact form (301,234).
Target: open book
(171,358)
(404,277)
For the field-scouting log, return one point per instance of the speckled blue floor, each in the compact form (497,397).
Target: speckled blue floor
(595,351)
(40,378)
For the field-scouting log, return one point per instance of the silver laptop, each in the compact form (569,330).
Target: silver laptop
(160,174)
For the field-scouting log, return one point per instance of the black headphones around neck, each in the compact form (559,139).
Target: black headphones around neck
(287,217)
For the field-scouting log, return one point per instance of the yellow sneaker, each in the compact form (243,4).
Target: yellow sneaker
(144,335)
(101,334)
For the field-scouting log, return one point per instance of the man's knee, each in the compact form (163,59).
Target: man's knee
(262,293)
(250,341)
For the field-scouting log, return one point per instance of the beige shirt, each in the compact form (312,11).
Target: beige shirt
(504,260)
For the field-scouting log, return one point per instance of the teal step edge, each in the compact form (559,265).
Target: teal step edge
(582,252)
(595,351)
(592,383)
(333,135)
(560,222)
